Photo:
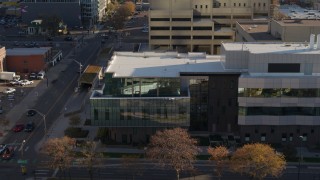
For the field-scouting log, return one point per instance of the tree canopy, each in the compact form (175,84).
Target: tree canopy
(173,148)
(220,156)
(60,152)
(258,161)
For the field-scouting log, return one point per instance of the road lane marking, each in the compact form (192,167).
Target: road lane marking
(55,172)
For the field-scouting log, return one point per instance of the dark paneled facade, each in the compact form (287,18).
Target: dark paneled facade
(223,103)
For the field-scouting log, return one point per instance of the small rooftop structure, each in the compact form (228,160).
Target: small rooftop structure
(27,51)
(170,64)
(272,48)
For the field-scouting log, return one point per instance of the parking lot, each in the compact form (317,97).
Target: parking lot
(7,101)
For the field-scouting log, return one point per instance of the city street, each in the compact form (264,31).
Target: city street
(51,103)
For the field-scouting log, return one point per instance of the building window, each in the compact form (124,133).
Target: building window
(224,4)
(247,137)
(200,6)
(121,114)
(284,137)
(239,4)
(95,114)
(263,137)
(254,4)
(106,114)
(196,6)
(259,4)
(206,6)
(304,137)
(312,131)
(264,4)
(291,137)
(234,4)
(244,4)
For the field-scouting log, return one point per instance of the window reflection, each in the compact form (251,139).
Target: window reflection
(141,87)
(159,112)
(278,92)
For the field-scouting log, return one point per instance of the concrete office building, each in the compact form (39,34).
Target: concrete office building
(278,90)
(200,26)
(287,30)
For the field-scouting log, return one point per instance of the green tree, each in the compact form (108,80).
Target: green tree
(258,161)
(173,148)
(130,6)
(91,158)
(220,156)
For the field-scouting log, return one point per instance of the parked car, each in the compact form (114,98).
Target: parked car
(41,75)
(25,82)
(33,76)
(15,82)
(31,112)
(8,153)
(2,148)
(18,127)
(29,127)
(9,90)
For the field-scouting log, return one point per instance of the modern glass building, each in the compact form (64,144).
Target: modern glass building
(145,92)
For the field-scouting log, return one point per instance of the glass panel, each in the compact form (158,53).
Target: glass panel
(280,92)
(279,111)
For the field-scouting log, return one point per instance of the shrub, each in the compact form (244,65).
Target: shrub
(74,132)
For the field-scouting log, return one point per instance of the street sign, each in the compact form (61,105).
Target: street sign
(20,161)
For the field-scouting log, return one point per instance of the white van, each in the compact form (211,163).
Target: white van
(40,75)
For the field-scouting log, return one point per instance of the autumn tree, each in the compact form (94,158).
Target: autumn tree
(91,157)
(173,148)
(74,120)
(131,165)
(258,161)
(60,152)
(220,156)
(130,6)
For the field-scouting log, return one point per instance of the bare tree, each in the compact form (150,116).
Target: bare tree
(173,148)
(258,161)
(91,158)
(130,163)
(74,120)
(60,152)
(220,156)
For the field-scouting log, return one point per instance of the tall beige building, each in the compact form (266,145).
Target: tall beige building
(199,25)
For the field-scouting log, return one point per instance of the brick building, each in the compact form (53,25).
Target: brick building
(27,60)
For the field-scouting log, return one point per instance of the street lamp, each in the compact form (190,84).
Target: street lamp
(300,140)
(22,145)
(44,120)
(80,68)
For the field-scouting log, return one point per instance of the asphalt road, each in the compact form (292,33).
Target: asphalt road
(51,103)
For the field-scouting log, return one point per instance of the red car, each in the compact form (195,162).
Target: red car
(18,127)
(8,153)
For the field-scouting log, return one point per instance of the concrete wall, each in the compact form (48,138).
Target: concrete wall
(68,12)
(293,33)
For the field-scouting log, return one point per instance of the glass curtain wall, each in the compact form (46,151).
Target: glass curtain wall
(278,92)
(140,112)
